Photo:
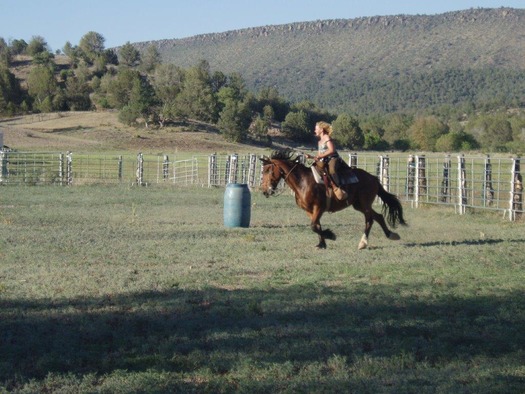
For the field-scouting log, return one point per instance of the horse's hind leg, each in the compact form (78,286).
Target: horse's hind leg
(370,217)
(379,218)
(369,220)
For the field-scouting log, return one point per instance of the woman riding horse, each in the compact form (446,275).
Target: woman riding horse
(327,156)
(311,196)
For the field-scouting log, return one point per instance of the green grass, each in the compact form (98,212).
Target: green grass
(129,289)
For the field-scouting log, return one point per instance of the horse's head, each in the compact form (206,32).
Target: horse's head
(276,167)
(271,176)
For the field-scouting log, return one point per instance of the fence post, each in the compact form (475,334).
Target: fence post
(69,168)
(421,179)
(194,170)
(61,169)
(3,166)
(422,174)
(120,168)
(232,168)
(213,179)
(251,170)
(384,172)
(352,158)
(488,191)
(244,171)
(227,170)
(445,184)
(416,183)
(140,169)
(411,175)
(165,168)
(462,185)
(516,191)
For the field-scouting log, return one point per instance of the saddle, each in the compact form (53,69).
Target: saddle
(346,176)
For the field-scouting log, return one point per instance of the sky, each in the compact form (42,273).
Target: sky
(120,21)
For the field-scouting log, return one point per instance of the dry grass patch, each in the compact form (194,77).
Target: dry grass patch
(101,131)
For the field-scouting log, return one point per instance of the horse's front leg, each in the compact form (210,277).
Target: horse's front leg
(315,225)
(316,228)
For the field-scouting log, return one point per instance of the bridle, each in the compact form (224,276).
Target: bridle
(284,175)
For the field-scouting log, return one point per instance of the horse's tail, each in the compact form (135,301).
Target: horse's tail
(392,208)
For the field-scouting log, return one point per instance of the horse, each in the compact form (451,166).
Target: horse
(313,197)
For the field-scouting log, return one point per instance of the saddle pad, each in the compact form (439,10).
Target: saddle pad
(317,175)
(346,178)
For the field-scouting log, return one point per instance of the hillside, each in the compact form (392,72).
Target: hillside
(381,63)
(101,131)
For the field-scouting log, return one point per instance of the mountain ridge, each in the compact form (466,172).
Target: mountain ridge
(308,60)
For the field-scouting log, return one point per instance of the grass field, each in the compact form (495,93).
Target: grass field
(136,290)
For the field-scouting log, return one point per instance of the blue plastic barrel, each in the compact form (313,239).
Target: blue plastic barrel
(237,205)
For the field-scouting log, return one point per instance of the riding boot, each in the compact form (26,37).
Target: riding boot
(340,194)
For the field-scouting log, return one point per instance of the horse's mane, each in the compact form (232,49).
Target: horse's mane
(284,154)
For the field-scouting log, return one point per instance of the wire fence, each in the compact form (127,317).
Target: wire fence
(464,182)
(478,182)
(44,168)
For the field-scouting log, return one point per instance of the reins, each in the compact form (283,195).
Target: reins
(289,172)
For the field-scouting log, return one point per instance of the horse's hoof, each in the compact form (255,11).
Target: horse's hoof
(362,245)
(394,237)
(321,246)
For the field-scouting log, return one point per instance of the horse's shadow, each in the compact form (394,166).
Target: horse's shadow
(463,242)
(469,242)
(266,225)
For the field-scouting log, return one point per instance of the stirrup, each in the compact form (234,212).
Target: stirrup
(340,194)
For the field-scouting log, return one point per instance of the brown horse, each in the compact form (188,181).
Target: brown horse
(312,196)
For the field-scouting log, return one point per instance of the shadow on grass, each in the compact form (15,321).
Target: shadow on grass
(465,242)
(216,330)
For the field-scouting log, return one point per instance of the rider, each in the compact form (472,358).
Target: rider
(328,154)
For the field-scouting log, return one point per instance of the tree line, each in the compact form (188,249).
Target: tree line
(150,93)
